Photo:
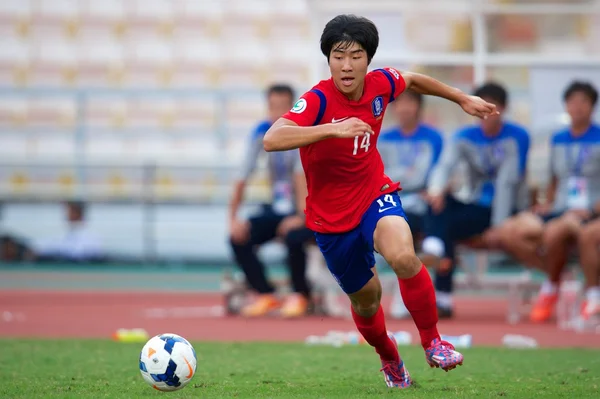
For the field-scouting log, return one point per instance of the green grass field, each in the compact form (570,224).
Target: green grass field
(104,369)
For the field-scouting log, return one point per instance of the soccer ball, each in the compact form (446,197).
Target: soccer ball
(168,362)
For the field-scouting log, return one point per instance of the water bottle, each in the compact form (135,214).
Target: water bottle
(567,308)
(233,293)
(459,341)
(519,341)
(313,340)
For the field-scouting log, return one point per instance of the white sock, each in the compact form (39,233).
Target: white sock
(444,299)
(593,294)
(433,246)
(548,288)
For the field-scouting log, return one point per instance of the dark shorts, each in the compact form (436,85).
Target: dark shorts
(556,215)
(349,255)
(550,216)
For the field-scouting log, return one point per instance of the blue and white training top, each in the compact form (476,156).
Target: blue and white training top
(282,166)
(409,159)
(494,166)
(575,163)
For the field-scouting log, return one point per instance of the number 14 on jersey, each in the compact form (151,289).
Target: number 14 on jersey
(364,143)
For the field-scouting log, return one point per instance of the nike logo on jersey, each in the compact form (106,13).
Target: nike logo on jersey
(333,120)
(385,209)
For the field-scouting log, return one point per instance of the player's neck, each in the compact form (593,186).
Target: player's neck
(409,128)
(581,128)
(492,131)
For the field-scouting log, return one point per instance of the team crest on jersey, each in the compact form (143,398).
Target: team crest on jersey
(299,107)
(377,106)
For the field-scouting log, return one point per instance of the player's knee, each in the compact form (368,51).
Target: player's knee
(365,308)
(557,231)
(405,263)
(589,234)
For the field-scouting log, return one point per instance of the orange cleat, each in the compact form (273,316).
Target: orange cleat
(263,305)
(590,309)
(543,308)
(295,305)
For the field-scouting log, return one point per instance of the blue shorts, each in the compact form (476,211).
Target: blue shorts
(349,255)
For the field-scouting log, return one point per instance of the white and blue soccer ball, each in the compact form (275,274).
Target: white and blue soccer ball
(168,362)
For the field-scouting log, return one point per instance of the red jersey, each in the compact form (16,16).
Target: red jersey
(344,176)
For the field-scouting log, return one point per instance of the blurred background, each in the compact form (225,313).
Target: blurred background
(140,110)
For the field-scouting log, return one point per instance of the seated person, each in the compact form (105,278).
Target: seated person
(409,152)
(283,218)
(543,236)
(80,244)
(494,154)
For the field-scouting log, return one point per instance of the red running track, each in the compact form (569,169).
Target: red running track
(65,314)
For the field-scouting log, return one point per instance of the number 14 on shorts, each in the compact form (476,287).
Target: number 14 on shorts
(387,203)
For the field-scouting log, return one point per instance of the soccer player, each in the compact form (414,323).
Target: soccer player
(543,236)
(409,151)
(352,206)
(282,218)
(494,153)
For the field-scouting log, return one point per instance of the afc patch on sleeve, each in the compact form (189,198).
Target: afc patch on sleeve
(377,106)
(299,107)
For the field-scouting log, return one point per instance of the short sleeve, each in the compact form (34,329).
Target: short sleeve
(308,110)
(395,82)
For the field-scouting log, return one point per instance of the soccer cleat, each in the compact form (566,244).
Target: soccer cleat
(543,308)
(442,354)
(394,373)
(590,309)
(263,305)
(296,305)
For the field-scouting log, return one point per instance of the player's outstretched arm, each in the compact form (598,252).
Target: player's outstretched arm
(286,135)
(427,85)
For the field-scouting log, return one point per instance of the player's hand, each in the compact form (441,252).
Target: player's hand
(478,107)
(288,224)
(239,231)
(351,127)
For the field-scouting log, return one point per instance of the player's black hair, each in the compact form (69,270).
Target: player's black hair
(418,97)
(344,30)
(582,87)
(280,88)
(493,91)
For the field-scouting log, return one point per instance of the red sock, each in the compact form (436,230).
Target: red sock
(419,297)
(374,332)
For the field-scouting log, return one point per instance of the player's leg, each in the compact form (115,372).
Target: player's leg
(558,237)
(389,234)
(589,257)
(296,304)
(466,222)
(352,266)
(521,237)
(398,309)
(436,243)
(262,229)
